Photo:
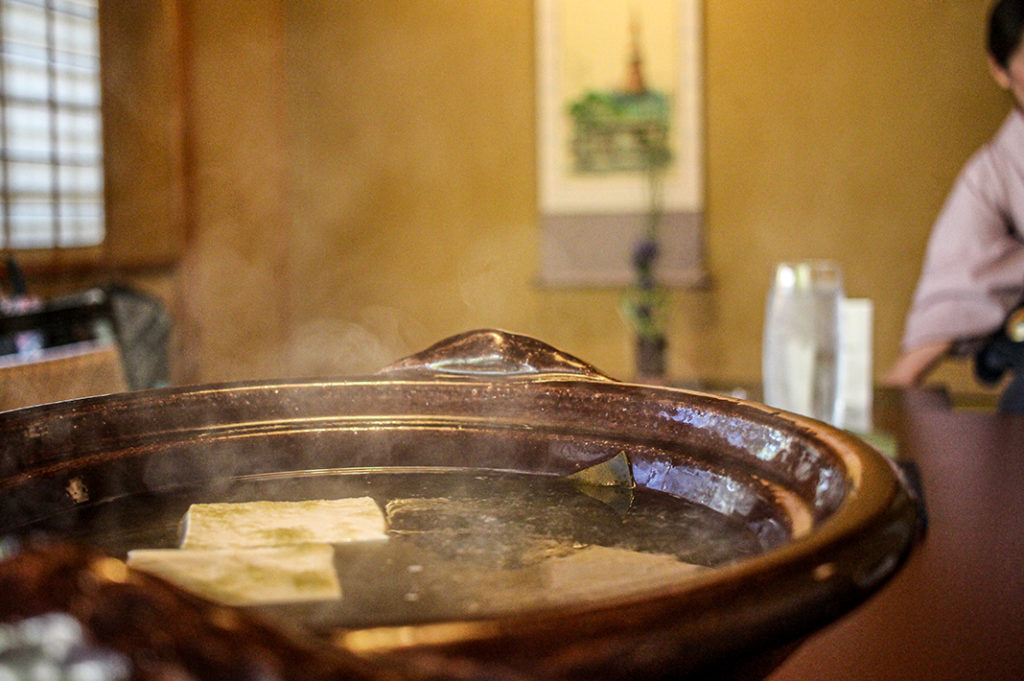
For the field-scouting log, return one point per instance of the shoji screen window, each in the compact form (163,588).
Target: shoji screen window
(50,130)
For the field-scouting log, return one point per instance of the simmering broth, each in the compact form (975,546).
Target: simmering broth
(463,543)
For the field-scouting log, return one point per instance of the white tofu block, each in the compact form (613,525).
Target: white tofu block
(277,523)
(250,576)
(597,571)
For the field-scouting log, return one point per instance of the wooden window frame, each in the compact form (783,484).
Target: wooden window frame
(142,90)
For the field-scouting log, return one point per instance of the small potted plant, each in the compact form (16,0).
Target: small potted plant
(645,300)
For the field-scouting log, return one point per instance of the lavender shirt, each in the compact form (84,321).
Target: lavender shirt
(973,272)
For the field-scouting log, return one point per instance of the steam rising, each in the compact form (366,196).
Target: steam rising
(334,347)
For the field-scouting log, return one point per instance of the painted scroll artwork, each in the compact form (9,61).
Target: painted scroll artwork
(619,139)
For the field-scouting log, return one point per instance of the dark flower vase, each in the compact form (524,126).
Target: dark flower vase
(650,357)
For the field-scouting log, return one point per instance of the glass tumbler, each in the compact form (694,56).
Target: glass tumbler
(801,363)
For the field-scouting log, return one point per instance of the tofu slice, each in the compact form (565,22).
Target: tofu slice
(277,523)
(249,576)
(596,571)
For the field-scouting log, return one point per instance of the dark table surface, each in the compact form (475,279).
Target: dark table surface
(956,610)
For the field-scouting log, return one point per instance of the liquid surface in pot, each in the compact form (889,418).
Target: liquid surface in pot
(462,544)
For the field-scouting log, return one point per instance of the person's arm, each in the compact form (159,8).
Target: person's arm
(914,365)
(974,262)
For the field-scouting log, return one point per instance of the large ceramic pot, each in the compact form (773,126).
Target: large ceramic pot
(803,521)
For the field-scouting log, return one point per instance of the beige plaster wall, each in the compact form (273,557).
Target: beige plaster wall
(362,176)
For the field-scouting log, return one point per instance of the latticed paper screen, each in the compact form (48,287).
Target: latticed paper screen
(50,131)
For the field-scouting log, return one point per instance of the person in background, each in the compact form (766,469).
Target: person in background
(973,273)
